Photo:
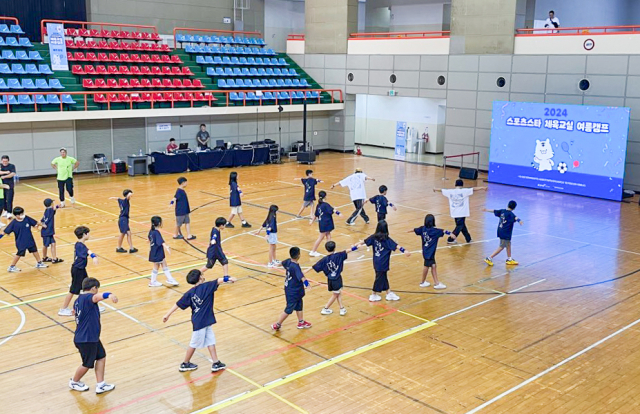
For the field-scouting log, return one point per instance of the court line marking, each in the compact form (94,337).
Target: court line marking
(23,320)
(589,244)
(314,368)
(553,367)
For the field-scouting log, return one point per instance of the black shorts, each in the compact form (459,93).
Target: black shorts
(90,352)
(381,283)
(429,262)
(123,225)
(211,261)
(334,285)
(30,249)
(293,304)
(382,216)
(77,277)
(48,241)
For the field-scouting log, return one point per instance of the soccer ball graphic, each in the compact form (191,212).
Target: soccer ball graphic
(562,167)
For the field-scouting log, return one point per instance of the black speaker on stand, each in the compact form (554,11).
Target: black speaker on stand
(306,156)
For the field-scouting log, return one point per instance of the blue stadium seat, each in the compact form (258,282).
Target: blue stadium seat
(217,60)
(67,99)
(292,72)
(251,61)
(277,72)
(246,72)
(31,69)
(237,72)
(219,72)
(200,60)
(180,38)
(211,72)
(33,55)
(232,84)
(4,28)
(241,96)
(3,101)
(2,41)
(251,96)
(280,83)
(3,84)
(14,84)
(22,55)
(255,83)
(45,69)
(283,95)
(16,29)
(206,39)
(304,83)
(296,83)
(208,49)
(238,83)
(40,99)
(313,95)
(288,83)
(53,99)
(191,38)
(222,83)
(272,83)
(13,100)
(8,55)
(240,40)
(228,72)
(267,72)
(253,72)
(24,100)
(226,60)
(55,84)
(215,39)
(233,96)
(42,84)
(24,42)
(243,60)
(5,69)
(268,96)
(209,60)
(18,69)
(267,62)
(270,52)
(215,50)
(224,39)
(28,84)
(264,83)
(199,39)
(190,49)
(235,61)
(11,41)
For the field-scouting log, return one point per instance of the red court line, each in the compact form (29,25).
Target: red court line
(246,362)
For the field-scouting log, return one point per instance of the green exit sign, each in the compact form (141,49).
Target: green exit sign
(392,93)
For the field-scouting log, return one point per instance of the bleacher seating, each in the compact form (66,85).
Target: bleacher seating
(22,70)
(229,40)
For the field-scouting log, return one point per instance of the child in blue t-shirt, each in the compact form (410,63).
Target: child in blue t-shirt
(157,248)
(324,216)
(123,221)
(271,227)
(81,253)
(21,227)
(505,229)
(87,336)
(294,286)
(430,236)
(332,266)
(48,232)
(182,210)
(235,202)
(214,251)
(383,245)
(381,203)
(309,198)
(200,299)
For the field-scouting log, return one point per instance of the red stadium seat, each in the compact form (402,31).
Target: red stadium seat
(113,70)
(176,59)
(146,47)
(124,57)
(105,33)
(102,57)
(166,70)
(135,84)
(156,83)
(175,70)
(94,33)
(103,45)
(186,71)
(83,32)
(100,83)
(124,70)
(89,70)
(100,98)
(80,44)
(88,84)
(189,96)
(137,35)
(77,70)
(145,83)
(155,70)
(145,70)
(168,96)
(200,97)
(187,83)
(70,57)
(91,57)
(79,56)
(145,97)
(197,83)
(112,83)
(137,46)
(71,32)
(70,44)
(146,36)
(124,97)
(135,97)
(123,83)
(155,36)
(145,58)
(135,58)
(125,46)
(166,83)
(113,97)
(177,83)
(101,70)
(158,97)
(91,44)
(113,45)
(178,97)
(114,57)
(135,71)
(165,58)
(156,59)
(165,48)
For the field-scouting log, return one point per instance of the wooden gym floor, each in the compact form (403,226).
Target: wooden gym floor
(557,334)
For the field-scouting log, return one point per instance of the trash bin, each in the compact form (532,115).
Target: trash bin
(410,146)
(421,146)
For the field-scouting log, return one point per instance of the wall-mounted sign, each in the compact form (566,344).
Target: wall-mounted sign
(163,127)
(589,44)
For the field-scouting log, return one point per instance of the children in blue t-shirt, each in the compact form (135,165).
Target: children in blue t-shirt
(48,232)
(381,203)
(324,216)
(271,227)
(294,286)
(21,227)
(157,248)
(200,299)
(182,210)
(124,204)
(430,236)
(309,198)
(235,201)
(332,265)
(505,229)
(214,251)
(383,245)
(81,253)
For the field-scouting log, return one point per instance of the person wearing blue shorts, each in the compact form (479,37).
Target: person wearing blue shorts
(309,192)
(123,221)
(48,232)
(324,216)
(81,253)
(294,286)
(157,248)
(21,227)
(214,251)
(332,266)
(271,227)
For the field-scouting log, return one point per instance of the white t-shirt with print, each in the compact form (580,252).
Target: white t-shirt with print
(355,182)
(458,201)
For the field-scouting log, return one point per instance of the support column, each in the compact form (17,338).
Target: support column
(482,26)
(328,24)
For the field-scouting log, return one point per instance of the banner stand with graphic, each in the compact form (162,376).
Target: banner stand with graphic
(401,140)
(57,46)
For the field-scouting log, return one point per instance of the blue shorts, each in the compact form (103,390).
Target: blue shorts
(48,240)
(123,225)
(30,249)
(220,257)
(293,304)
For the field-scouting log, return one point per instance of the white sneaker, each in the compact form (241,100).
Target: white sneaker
(62,204)
(440,286)
(66,312)
(277,262)
(102,309)
(353,223)
(78,386)
(425,284)
(271,265)
(155,284)
(4,214)
(392,296)
(13,269)
(41,265)
(173,282)
(314,254)
(343,311)
(73,201)
(374,298)
(104,388)
(326,311)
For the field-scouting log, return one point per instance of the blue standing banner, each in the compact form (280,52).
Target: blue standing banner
(57,46)
(401,140)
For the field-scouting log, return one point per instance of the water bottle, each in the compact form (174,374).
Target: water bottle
(141,152)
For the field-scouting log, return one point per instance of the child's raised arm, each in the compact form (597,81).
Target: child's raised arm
(519,221)
(98,297)
(166,317)
(227,279)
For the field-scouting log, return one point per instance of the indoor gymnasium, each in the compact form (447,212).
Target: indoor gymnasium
(287,206)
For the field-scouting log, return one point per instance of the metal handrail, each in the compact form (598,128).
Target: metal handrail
(84,25)
(193,29)
(398,35)
(578,30)
(13,19)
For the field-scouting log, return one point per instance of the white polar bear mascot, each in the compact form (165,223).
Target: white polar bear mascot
(543,155)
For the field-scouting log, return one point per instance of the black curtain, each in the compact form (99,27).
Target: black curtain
(31,12)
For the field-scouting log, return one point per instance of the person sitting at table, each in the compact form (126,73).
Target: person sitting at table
(172,147)
(203,137)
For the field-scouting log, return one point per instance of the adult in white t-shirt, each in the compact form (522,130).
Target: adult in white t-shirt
(552,22)
(459,208)
(355,182)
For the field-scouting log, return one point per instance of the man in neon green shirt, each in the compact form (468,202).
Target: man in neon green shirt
(65,165)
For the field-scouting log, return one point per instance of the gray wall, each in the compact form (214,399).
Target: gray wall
(580,13)
(167,14)
(281,18)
